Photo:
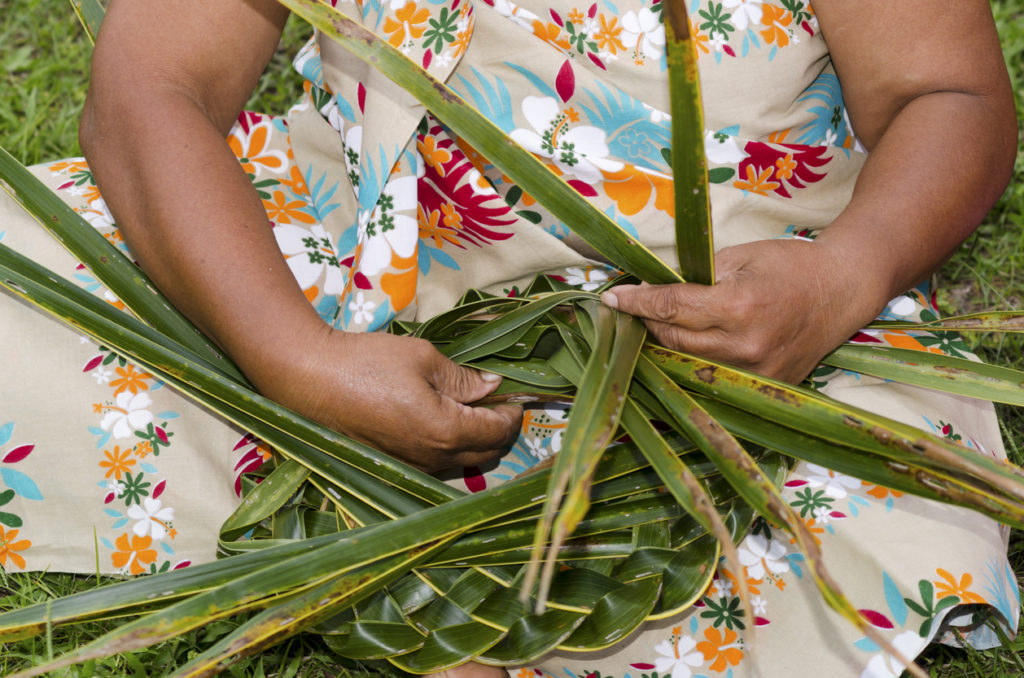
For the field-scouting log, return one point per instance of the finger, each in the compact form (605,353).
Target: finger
(684,304)
(461,384)
(480,429)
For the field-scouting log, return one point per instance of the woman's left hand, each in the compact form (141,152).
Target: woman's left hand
(778,307)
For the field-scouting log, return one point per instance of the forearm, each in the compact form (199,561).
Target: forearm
(928,182)
(194,221)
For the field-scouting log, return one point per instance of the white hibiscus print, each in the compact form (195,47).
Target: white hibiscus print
(587,280)
(310,255)
(152,518)
(128,414)
(679,657)
(644,32)
(885,665)
(759,556)
(835,484)
(745,12)
(722,149)
(578,151)
(391,229)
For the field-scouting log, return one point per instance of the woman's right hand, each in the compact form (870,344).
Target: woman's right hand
(398,394)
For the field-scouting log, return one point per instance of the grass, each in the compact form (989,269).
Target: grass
(43,76)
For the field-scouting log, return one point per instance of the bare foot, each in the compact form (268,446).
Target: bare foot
(471,670)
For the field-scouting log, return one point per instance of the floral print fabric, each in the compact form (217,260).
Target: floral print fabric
(382,212)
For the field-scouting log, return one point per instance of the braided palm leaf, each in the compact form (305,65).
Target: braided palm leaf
(387,562)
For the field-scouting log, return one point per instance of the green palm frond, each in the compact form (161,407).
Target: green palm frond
(389,563)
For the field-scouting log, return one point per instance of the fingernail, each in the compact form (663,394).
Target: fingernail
(490,377)
(610,300)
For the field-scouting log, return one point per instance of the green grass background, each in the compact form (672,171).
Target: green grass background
(44,62)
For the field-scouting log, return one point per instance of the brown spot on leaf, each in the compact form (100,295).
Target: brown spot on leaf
(707,374)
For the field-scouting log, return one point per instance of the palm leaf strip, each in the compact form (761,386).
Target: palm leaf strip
(694,241)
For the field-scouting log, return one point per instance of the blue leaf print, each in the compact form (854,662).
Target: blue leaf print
(119,524)
(106,542)
(794,562)
(112,513)
(631,133)
(328,309)
(441,257)
(167,548)
(829,116)
(493,101)
(1002,594)
(866,645)
(541,86)
(6,431)
(22,485)
(893,597)
(307,62)
(345,108)
(148,468)
(320,196)
(167,414)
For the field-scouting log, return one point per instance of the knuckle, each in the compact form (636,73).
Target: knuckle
(662,304)
(752,350)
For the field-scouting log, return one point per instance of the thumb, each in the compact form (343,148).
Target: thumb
(463,384)
(682,304)
(652,302)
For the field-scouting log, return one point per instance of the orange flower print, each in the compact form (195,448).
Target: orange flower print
(608,35)
(452,218)
(9,548)
(253,153)
(701,40)
(117,462)
(720,647)
(879,492)
(777,20)
(280,210)
(409,23)
(133,555)
(430,228)
(143,449)
(461,43)
(69,166)
(631,188)
(784,167)
(951,587)
(550,32)
(432,155)
(757,183)
(128,379)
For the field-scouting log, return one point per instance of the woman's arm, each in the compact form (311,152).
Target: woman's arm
(169,80)
(928,94)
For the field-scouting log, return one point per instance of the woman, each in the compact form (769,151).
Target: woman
(378,212)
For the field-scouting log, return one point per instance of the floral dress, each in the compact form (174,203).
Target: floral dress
(384,213)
